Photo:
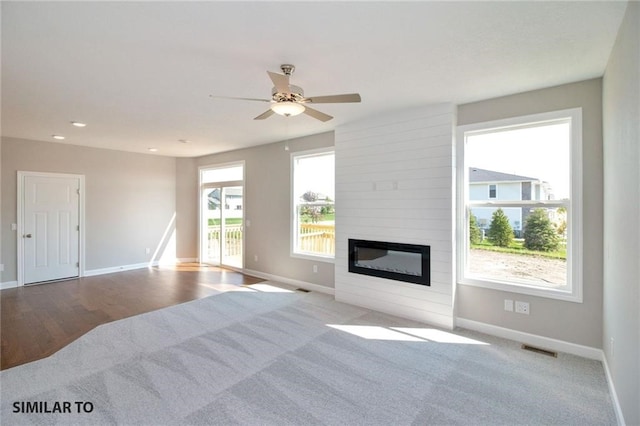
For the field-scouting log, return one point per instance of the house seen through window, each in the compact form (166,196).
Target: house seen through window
(313,195)
(521,234)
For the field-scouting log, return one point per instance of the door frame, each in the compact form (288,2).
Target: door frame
(20,220)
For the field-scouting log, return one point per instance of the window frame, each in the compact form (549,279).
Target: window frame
(574,290)
(294,217)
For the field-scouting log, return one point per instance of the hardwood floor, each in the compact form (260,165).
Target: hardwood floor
(36,321)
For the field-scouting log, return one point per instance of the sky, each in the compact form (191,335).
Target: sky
(315,173)
(541,152)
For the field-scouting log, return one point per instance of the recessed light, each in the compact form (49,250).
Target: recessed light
(58,137)
(153,149)
(78,124)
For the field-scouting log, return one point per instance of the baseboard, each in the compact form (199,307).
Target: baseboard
(612,391)
(532,339)
(296,283)
(187,260)
(8,284)
(122,268)
(113,269)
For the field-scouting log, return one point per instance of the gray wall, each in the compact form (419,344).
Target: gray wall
(267,201)
(187,209)
(130,199)
(621,112)
(579,323)
(2,274)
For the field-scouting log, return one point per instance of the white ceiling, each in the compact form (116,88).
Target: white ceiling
(140,74)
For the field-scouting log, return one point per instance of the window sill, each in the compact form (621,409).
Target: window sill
(549,293)
(314,257)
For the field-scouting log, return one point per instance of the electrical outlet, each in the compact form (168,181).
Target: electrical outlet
(2,268)
(522,308)
(147,250)
(508,305)
(315,269)
(255,257)
(14,226)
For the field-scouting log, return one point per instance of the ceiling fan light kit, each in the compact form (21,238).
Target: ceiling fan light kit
(288,100)
(288,108)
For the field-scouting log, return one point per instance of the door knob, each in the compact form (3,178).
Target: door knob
(28,236)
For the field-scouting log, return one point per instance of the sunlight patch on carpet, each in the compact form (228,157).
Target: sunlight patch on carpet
(440,336)
(405,334)
(374,332)
(267,288)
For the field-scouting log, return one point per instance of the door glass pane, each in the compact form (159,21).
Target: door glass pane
(212,228)
(232,226)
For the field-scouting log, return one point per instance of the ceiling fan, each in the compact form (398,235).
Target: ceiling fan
(289,100)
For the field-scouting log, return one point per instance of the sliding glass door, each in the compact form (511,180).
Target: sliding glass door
(221,218)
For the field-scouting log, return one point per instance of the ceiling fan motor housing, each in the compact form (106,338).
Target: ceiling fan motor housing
(296,94)
(287,69)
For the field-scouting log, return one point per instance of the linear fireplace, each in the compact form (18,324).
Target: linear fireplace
(396,261)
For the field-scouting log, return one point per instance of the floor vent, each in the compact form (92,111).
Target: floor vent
(304,290)
(540,350)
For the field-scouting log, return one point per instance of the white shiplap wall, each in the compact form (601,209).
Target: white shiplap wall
(395,182)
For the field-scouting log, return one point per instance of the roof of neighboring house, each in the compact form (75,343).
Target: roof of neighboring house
(230,192)
(482,175)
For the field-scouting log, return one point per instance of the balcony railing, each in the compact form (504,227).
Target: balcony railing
(232,241)
(317,238)
(314,238)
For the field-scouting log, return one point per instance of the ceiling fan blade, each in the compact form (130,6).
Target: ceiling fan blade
(239,99)
(334,99)
(268,113)
(316,114)
(280,81)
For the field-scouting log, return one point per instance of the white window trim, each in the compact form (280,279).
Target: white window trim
(574,240)
(292,209)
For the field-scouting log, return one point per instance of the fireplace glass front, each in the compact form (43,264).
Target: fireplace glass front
(402,262)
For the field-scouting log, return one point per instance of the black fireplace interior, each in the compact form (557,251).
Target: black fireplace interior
(396,261)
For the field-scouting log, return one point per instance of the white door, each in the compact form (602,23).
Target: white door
(51,231)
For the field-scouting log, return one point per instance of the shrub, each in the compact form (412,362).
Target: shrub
(539,232)
(500,231)
(475,235)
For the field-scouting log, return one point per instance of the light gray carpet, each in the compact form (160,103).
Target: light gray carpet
(292,359)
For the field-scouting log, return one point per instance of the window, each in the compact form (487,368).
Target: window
(524,239)
(492,191)
(313,189)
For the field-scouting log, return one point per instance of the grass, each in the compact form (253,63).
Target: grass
(228,221)
(517,247)
(323,218)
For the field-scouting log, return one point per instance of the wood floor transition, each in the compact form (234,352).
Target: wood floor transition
(38,320)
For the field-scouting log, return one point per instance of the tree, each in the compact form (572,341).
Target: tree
(500,231)
(310,196)
(475,235)
(311,212)
(539,232)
